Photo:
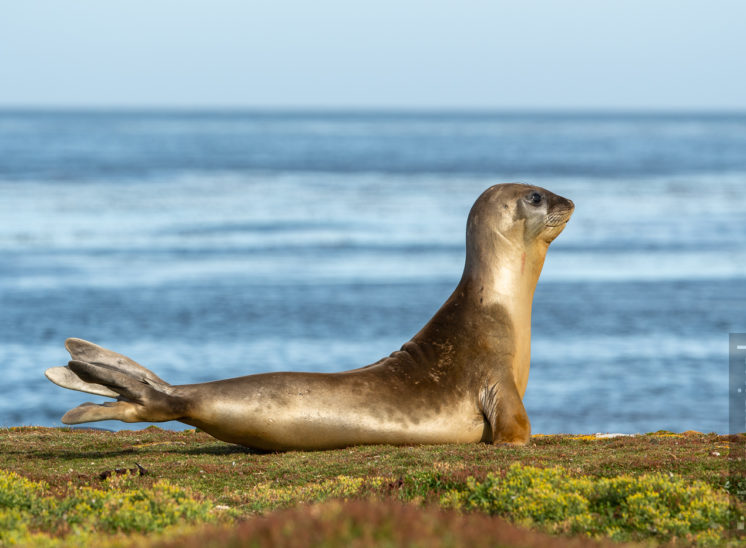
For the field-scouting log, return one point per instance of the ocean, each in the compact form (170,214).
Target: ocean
(209,245)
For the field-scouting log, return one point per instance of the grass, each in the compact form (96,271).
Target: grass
(576,488)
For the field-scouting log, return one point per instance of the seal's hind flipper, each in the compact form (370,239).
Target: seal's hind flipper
(140,399)
(66,378)
(141,395)
(84,351)
(127,386)
(91,412)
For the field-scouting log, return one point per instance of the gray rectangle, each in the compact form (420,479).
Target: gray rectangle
(737,427)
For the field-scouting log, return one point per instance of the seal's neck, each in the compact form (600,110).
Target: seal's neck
(505,274)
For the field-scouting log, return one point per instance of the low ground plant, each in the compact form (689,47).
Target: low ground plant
(656,506)
(30,516)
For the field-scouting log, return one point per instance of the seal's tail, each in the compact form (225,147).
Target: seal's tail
(141,395)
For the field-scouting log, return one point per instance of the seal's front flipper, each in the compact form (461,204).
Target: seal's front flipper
(91,412)
(503,408)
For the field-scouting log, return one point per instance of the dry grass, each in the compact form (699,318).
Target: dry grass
(270,491)
(375,523)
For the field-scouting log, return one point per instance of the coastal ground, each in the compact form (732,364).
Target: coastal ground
(158,487)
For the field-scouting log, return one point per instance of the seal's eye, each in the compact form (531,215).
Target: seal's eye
(534,198)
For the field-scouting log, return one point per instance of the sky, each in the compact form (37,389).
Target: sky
(346,54)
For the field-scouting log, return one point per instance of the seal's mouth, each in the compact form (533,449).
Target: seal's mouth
(559,218)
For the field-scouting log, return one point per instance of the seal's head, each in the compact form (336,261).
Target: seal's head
(525,215)
(510,228)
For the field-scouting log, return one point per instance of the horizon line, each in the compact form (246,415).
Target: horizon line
(368,109)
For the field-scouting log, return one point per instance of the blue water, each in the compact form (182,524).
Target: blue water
(215,244)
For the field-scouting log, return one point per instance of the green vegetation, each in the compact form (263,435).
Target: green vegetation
(651,506)
(28,516)
(59,487)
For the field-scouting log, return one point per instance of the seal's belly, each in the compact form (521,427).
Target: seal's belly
(324,411)
(334,427)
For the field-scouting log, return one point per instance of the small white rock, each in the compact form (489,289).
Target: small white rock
(614,435)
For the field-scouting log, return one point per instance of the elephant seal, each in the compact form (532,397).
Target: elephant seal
(460,379)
